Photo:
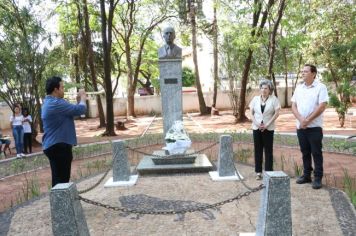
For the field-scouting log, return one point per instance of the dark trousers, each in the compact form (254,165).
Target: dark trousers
(60,159)
(310,142)
(27,142)
(263,141)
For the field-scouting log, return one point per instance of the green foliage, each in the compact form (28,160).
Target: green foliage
(18,166)
(341,100)
(243,155)
(188,77)
(23,55)
(350,186)
(332,45)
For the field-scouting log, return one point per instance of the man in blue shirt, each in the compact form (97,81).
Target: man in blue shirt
(59,130)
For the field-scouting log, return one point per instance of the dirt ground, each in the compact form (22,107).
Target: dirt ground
(87,132)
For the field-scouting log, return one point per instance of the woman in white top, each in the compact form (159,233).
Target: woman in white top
(27,138)
(264,111)
(16,121)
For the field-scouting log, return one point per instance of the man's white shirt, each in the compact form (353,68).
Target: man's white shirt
(307,99)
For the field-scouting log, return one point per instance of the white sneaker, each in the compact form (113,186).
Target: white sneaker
(22,154)
(18,155)
(258,176)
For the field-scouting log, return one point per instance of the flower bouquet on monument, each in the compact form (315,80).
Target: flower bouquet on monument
(177,140)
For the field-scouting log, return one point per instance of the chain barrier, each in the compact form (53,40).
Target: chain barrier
(160,156)
(238,176)
(144,146)
(172,212)
(96,184)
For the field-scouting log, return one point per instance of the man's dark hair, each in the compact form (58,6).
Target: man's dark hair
(312,68)
(52,83)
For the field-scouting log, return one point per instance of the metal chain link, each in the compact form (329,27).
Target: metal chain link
(238,176)
(144,146)
(160,156)
(96,184)
(171,212)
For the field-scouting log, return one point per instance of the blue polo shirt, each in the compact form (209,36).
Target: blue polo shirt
(58,121)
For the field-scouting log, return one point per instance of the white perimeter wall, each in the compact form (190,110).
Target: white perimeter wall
(152,104)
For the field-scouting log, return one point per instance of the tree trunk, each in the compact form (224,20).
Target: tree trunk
(241,117)
(272,44)
(106,33)
(202,106)
(130,90)
(284,52)
(299,66)
(90,59)
(215,52)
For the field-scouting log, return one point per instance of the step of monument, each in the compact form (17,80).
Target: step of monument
(148,167)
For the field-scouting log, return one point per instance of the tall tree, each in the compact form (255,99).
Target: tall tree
(90,60)
(106,34)
(23,57)
(133,35)
(193,7)
(189,12)
(272,44)
(333,46)
(215,53)
(256,32)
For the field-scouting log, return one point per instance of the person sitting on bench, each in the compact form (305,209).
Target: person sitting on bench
(4,140)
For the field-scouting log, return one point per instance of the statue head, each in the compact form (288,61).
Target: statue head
(169,35)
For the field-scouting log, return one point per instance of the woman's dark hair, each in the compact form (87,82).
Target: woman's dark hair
(52,83)
(24,110)
(18,106)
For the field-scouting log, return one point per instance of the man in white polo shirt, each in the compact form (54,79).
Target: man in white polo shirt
(308,103)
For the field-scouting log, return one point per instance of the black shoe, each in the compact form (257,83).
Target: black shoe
(303,179)
(316,183)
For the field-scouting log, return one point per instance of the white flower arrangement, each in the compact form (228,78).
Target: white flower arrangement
(177,140)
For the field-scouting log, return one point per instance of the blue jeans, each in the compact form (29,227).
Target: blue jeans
(17,132)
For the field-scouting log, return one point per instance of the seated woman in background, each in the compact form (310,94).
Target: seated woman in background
(6,141)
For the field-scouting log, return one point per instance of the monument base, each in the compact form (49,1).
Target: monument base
(173,159)
(132,181)
(201,164)
(214,175)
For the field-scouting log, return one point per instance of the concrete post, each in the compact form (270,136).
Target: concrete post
(275,217)
(121,165)
(226,157)
(66,211)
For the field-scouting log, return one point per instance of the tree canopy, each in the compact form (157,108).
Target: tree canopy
(112,45)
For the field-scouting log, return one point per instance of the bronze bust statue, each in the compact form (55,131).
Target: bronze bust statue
(169,50)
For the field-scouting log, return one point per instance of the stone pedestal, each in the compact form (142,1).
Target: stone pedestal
(226,165)
(121,167)
(275,216)
(170,73)
(66,211)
